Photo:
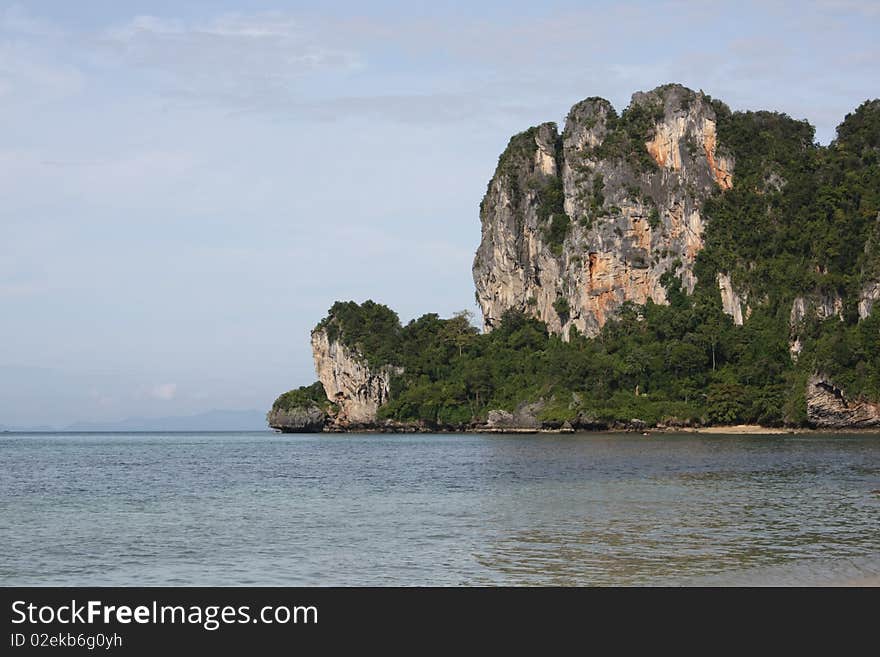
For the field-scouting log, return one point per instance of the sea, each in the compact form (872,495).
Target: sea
(241,509)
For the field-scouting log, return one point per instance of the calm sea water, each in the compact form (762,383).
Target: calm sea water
(270,509)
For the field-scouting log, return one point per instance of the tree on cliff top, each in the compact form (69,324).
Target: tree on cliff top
(303,397)
(371,328)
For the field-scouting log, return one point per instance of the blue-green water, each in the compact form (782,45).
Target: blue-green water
(271,509)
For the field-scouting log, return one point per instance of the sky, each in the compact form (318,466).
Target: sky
(187,187)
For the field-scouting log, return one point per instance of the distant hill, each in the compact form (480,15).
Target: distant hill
(248,420)
(5,428)
(217,420)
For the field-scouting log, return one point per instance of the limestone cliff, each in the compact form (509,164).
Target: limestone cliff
(869,294)
(574,225)
(349,382)
(732,302)
(820,305)
(868,298)
(828,407)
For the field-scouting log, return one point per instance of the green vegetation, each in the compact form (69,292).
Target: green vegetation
(629,132)
(555,223)
(562,308)
(849,352)
(684,362)
(799,215)
(597,200)
(372,329)
(551,211)
(802,220)
(521,147)
(303,397)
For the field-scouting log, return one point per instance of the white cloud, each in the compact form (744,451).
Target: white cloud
(236,60)
(31,74)
(19,289)
(33,68)
(164,391)
(17,20)
(101,399)
(866,8)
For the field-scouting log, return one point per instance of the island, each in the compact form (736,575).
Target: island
(675,265)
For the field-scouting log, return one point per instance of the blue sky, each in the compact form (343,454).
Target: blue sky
(186,187)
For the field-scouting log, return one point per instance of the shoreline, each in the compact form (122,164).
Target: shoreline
(730,430)
(738,429)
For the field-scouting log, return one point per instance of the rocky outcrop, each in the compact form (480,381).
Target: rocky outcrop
(357,390)
(795,347)
(869,293)
(304,419)
(869,296)
(828,407)
(524,418)
(731,301)
(821,305)
(575,225)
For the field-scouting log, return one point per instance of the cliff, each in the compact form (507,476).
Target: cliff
(349,382)
(829,408)
(869,293)
(574,225)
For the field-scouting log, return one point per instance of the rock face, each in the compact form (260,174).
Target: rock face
(348,381)
(525,417)
(869,296)
(822,306)
(306,419)
(574,225)
(731,301)
(827,407)
(870,287)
